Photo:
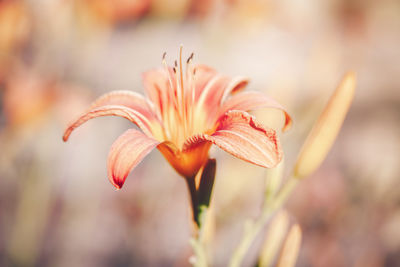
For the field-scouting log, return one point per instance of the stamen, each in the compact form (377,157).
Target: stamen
(182,93)
(180,109)
(166,97)
(164,62)
(191,94)
(181,73)
(190,58)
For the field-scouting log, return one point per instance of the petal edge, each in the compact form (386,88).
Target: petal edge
(112,110)
(242,136)
(251,100)
(126,153)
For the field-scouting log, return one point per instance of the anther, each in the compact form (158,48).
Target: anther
(164,55)
(190,58)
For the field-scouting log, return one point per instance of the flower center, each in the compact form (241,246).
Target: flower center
(181,117)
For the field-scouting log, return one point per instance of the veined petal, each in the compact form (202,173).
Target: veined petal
(241,135)
(127,152)
(252,100)
(158,84)
(126,98)
(150,128)
(236,85)
(217,89)
(213,91)
(203,74)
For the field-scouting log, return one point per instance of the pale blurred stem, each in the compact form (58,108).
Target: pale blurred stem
(198,249)
(252,229)
(198,244)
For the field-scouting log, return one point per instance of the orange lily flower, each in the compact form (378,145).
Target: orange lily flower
(182,115)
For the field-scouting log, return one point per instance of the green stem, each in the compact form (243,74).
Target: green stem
(252,229)
(194,199)
(200,207)
(197,243)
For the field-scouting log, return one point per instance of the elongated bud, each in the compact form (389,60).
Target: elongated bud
(325,130)
(274,239)
(290,250)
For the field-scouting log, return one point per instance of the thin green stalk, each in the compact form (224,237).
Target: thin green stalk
(200,257)
(203,197)
(252,229)
(194,199)
(197,244)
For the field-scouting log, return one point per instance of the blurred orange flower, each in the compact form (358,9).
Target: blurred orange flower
(14,27)
(111,12)
(27,97)
(182,115)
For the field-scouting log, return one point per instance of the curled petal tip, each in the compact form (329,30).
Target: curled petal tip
(66,135)
(126,104)
(118,183)
(251,100)
(127,152)
(288,123)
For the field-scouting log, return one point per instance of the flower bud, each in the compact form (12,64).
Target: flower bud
(325,130)
(274,239)
(290,250)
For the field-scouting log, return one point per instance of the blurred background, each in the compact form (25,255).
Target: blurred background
(57,207)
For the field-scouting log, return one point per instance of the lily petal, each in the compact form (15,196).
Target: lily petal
(187,163)
(147,126)
(213,91)
(203,74)
(241,135)
(126,98)
(217,89)
(157,84)
(251,100)
(127,152)
(236,85)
